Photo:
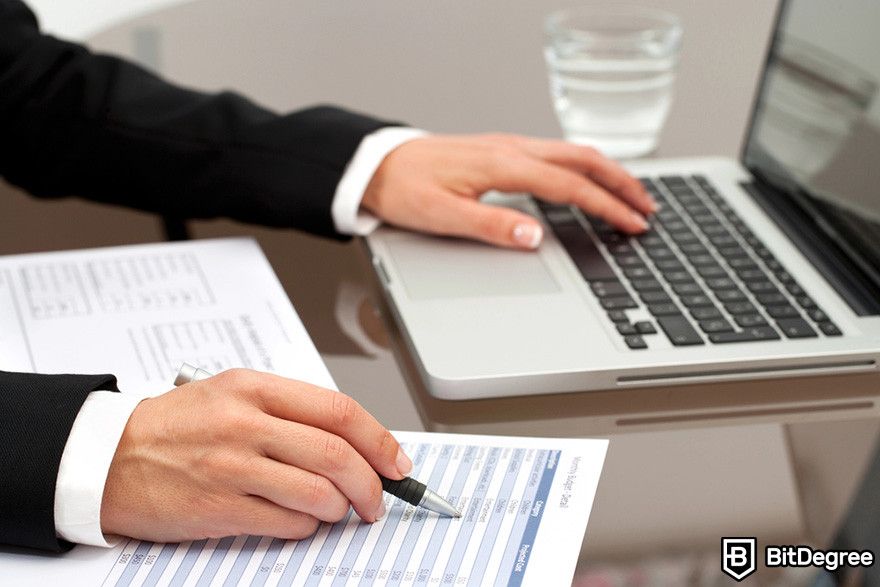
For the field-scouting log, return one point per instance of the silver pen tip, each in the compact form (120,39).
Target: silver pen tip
(435,503)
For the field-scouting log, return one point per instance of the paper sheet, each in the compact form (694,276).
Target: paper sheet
(140,311)
(525,506)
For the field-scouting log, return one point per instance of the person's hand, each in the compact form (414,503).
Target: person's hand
(246,453)
(433,184)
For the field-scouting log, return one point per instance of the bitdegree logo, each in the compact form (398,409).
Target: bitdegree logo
(738,557)
(804,556)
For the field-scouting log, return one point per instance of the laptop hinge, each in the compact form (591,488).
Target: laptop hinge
(844,274)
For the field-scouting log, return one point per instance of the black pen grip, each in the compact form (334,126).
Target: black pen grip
(407,489)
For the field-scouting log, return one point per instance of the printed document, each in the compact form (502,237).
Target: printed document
(141,311)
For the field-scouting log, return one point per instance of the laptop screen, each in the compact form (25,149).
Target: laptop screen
(816,126)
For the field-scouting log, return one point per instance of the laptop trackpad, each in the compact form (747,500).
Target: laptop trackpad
(433,268)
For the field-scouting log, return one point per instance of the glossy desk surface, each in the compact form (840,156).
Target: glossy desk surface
(775,459)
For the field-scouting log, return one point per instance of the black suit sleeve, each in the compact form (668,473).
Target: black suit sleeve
(37,414)
(74,123)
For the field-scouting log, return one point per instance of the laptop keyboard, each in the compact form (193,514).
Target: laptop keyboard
(699,271)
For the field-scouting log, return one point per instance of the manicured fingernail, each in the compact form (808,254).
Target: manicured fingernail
(655,206)
(640,220)
(380,513)
(404,465)
(528,235)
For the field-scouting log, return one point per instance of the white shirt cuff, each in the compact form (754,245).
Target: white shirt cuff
(348,217)
(85,463)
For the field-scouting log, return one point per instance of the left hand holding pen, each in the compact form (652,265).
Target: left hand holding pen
(433,184)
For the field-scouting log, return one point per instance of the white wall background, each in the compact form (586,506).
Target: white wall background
(79,19)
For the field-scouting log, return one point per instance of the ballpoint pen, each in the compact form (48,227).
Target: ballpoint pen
(407,489)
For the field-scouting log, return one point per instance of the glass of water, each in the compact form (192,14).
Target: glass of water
(611,75)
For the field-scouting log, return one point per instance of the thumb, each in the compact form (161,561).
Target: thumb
(492,224)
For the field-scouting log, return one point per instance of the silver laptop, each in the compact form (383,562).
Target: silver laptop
(764,267)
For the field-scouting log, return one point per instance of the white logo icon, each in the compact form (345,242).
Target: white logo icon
(738,557)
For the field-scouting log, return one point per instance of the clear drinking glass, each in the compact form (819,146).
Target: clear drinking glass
(611,75)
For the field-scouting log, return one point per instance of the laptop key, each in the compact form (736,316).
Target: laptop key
(621,303)
(796,328)
(764,252)
(716,229)
(689,200)
(749,320)
(629,261)
(679,331)
(772,299)
(742,263)
(675,226)
(805,302)
(703,219)
(736,252)
(651,239)
(740,308)
(645,327)
(655,297)
(712,271)
(608,289)
(617,316)
(659,254)
(795,289)
(757,287)
(829,329)
(692,249)
(752,274)
(721,283)
(683,238)
(787,311)
(717,325)
(641,285)
(669,265)
(638,272)
(722,240)
(818,315)
(678,277)
(635,342)
(784,276)
(664,309)
(756,334)
(671,181)
(731,295)
(626,328)
(701,314)
(702,260)
(612,238)
(583,251)
(621,249)
(688,288)
(698,301)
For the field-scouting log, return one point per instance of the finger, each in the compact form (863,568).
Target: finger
(296,489)
(259,517)
(609,173)
(333,460)
(557,184)
(327,410)
(495,225)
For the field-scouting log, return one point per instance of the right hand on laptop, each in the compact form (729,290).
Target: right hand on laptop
(246,453)
(433,184)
